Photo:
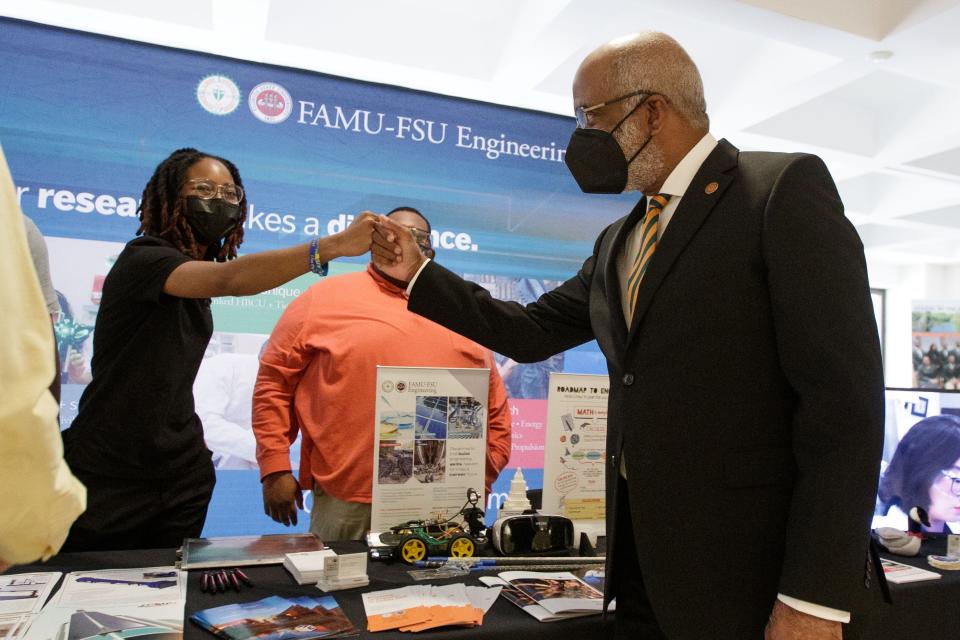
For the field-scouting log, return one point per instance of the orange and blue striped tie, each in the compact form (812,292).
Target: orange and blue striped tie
(648,243)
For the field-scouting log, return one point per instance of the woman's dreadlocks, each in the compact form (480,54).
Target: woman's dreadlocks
(161,209)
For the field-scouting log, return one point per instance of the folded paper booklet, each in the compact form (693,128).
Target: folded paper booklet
(548,597)
(898,572)
(277,618)
(419,608)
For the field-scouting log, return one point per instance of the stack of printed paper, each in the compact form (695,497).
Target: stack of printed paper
(21,597)
(121,603)
(307,566)
(422,607)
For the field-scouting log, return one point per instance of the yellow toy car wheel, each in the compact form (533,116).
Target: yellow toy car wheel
(462,547)
(412,549)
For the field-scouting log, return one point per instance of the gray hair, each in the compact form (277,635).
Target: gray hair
(656,62)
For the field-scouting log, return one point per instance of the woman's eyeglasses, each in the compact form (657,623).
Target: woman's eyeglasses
(207,190)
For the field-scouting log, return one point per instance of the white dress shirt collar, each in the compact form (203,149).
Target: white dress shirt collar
(682,175)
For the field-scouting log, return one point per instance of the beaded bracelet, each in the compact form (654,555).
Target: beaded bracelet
(315,265)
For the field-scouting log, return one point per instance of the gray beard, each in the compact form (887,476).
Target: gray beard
(647,168)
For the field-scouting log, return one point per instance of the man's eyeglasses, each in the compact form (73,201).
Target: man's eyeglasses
(207,189)
(422,238)
(581,112)
(954,479)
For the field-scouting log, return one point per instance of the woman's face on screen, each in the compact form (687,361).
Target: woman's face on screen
(945,495)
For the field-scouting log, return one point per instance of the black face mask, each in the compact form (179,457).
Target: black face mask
(211,220)
(596,159)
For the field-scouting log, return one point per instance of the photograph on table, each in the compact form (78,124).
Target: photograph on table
(431,417)
(430,461)
(541,588)
(396,461)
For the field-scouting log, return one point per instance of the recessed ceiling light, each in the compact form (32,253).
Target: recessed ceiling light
(880,56)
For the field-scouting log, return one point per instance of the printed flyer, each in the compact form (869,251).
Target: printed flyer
(575,447)
(430,441)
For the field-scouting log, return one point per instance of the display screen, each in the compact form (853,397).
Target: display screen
(921,459)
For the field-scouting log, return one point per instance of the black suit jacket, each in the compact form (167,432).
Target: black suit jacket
(758,474)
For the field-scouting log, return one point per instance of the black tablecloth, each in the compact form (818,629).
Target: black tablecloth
(503,620)
(929,609)
(920,610)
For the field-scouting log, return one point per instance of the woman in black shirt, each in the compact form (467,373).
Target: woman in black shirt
(137,443)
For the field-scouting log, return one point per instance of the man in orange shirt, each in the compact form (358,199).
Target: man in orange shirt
(318,377)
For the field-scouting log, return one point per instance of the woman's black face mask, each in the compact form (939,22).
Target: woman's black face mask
(211,220)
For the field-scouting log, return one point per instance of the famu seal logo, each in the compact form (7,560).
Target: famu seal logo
(218,95)
(270,103)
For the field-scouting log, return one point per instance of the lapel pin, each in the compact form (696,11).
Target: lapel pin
(710,188)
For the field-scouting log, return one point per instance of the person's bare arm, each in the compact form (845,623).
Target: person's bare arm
(259,272)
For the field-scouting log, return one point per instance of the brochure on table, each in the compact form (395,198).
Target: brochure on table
(25,593)
(21,597)
(430,441)
(423,607)
(549,597)
(575,447)
(125,602)
(304,617)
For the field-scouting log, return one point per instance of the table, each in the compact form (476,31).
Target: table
(920,610)
(503,620)
(929,609)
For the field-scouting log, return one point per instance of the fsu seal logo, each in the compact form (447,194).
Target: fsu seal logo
(270,103)
(401,386)
(218,95)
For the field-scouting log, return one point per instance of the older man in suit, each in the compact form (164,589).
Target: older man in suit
(739,498)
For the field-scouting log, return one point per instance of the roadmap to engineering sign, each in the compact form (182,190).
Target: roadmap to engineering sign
(575,448)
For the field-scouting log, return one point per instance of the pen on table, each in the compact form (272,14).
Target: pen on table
(226,579)
(435,563)
(243,576)
(515,560)
(233,578)
(221,586)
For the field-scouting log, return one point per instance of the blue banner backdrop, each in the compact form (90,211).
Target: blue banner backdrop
(84,120)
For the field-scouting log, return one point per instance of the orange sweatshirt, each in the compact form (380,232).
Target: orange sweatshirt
(318,376)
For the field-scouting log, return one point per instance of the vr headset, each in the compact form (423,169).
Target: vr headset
(532,534)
